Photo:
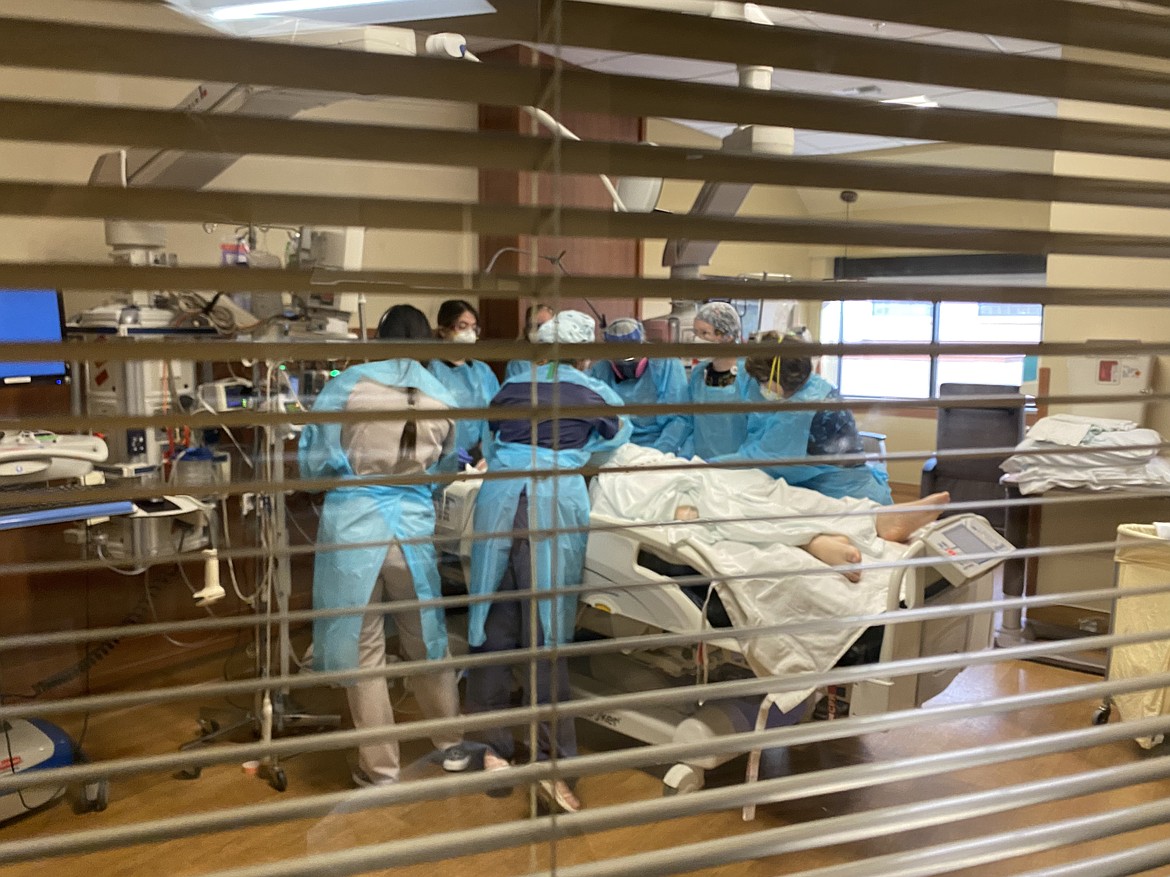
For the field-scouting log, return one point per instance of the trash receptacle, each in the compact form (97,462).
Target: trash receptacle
(1143,560)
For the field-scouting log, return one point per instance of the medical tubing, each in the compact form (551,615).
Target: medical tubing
(640,757)
(766,791)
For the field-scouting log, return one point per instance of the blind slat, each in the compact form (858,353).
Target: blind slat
(93,278)
(633,30)
(112,50)
(273,565)
(260,208)
(208,132)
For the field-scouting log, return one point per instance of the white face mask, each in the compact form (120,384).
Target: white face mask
(770,394)
(699,340)
(465,336)
(534,335)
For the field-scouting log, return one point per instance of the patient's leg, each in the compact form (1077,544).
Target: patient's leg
(836,551)
(903,519)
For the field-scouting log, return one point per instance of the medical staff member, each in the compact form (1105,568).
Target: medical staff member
(718,380)
(388,570)
(471,382)
(536,315)
(641,380)
(780,433)
(509,507)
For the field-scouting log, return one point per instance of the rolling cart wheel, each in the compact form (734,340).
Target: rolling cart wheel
(1102,713)
(97,796)
(277,779)
(681,780)
(189,773)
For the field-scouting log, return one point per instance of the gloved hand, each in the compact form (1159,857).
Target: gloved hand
(464,457)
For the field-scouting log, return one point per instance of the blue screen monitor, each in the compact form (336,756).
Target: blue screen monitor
(30,316)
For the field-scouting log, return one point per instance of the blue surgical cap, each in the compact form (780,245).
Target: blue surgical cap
(568,327)
(723,318)
(625,329)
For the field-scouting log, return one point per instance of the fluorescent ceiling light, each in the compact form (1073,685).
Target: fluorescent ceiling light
(920,101)
(265,17)
(284,7)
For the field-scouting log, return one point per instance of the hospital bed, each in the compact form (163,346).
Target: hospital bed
(619,555)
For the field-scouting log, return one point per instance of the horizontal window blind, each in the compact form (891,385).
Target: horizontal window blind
(697,632)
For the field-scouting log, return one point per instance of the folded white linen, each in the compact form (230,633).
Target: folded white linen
(1071,429)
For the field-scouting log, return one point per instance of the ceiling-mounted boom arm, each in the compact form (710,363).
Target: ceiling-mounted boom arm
(685,257)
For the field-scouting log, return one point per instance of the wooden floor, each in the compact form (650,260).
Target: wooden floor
(160,729)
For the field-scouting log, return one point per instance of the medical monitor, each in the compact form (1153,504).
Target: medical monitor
(31,316)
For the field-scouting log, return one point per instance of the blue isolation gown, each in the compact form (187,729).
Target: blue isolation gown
(360,514)
(712,435)
(664,382)
(474,385)
(554,502)
(781,434)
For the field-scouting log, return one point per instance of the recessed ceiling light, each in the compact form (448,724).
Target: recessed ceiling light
(919,101)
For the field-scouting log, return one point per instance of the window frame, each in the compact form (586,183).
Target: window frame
(971,269)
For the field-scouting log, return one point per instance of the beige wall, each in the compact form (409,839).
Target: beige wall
(80,240)
(1140,324)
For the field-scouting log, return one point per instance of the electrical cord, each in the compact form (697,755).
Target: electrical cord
(227,542)
(136,616)
(110,564)
(167,636)
(229,433)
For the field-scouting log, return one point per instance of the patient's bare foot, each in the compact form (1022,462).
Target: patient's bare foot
(686,513)
(896,526)
(835,551)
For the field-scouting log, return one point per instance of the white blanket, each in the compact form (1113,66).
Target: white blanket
(749,532)
(1110,455)
(1072,429)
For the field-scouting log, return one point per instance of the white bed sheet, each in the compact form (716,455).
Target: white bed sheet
(749,536)
(1105,459)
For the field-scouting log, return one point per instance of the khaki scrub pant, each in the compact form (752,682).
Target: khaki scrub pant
(437,694)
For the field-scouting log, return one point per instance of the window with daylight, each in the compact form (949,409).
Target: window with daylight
(974,323)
